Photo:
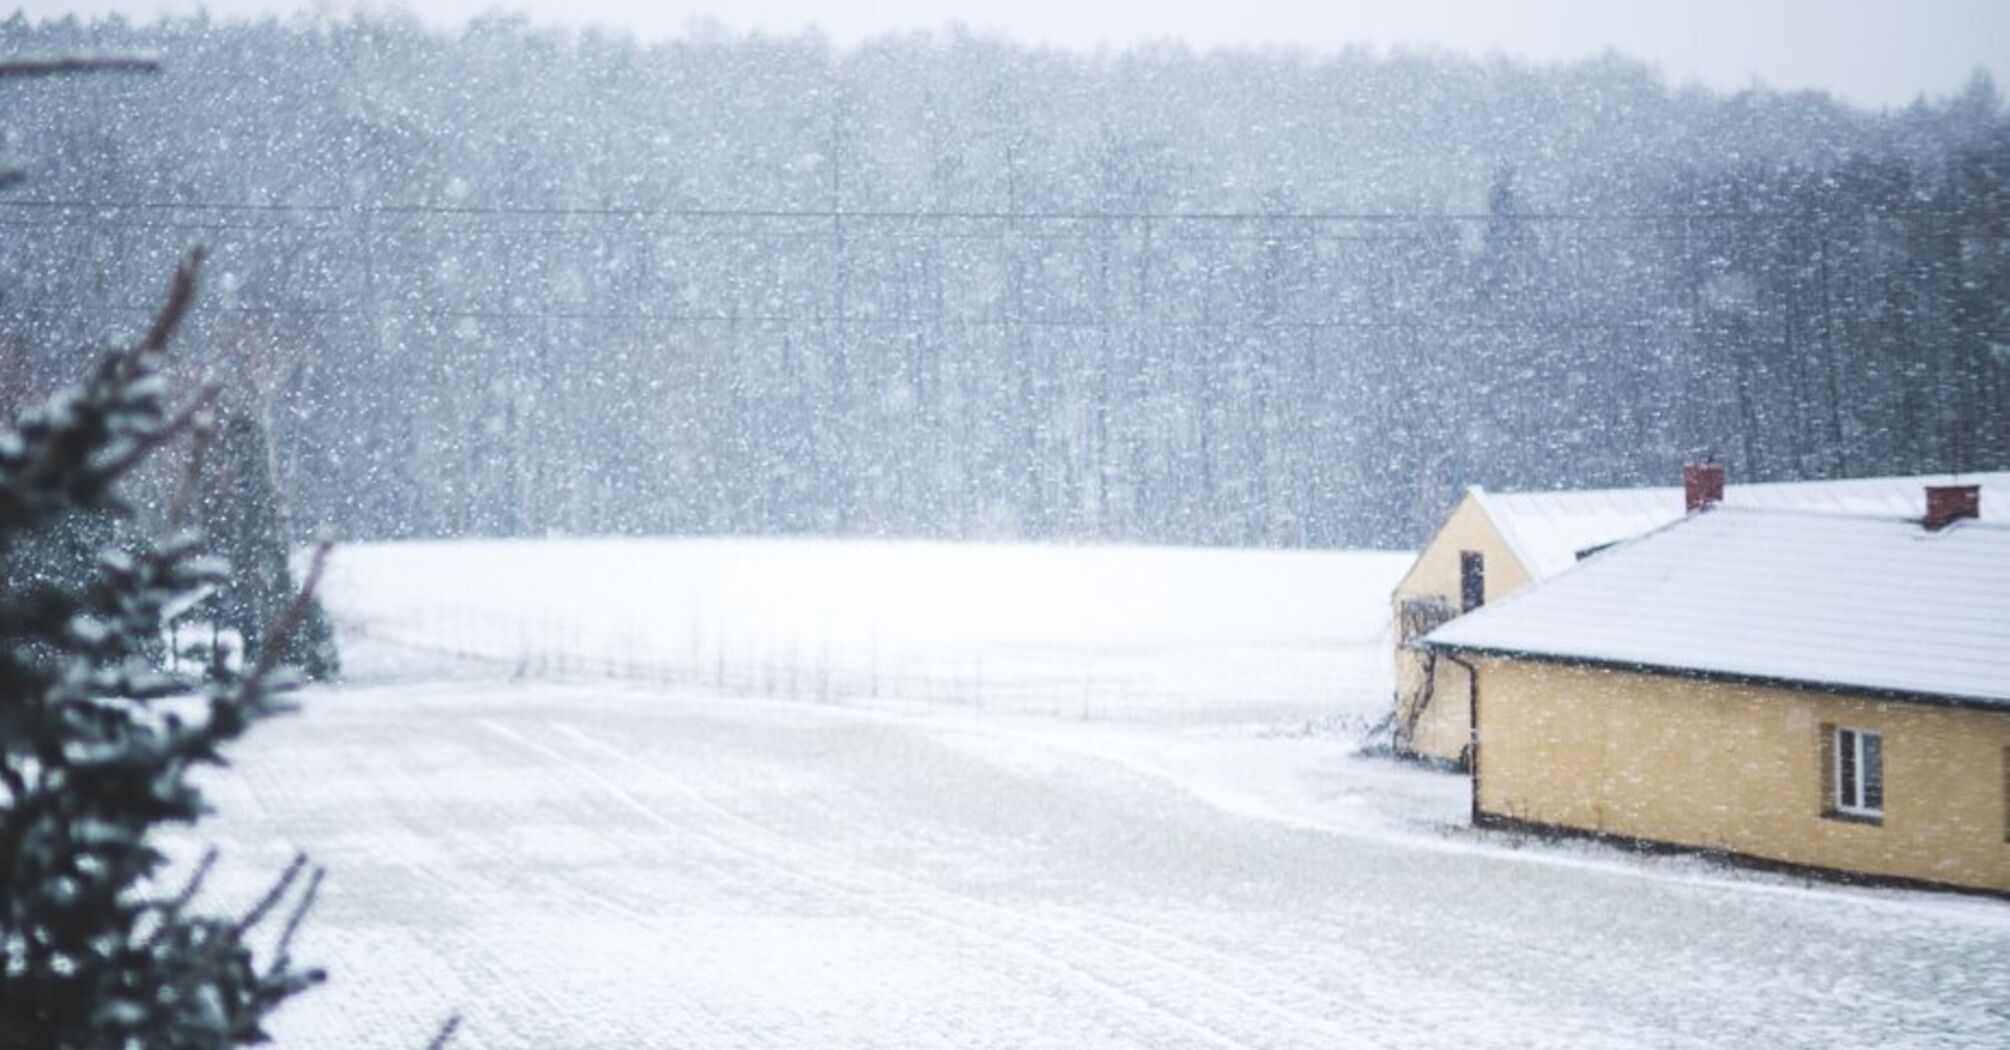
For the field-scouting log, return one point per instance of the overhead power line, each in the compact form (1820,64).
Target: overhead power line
(980,215)
(437,314)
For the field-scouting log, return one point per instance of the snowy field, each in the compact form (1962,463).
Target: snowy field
(1095,633)
(741,794)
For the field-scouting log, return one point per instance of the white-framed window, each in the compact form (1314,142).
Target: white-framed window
(1859,772)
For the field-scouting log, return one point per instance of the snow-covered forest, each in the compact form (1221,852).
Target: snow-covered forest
(512,281)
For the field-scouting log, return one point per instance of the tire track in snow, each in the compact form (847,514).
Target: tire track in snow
(413,997)
(1062,936)
(1303,997)
(465,871)
(472,867)
(475,850)
(814,874)
(761,869)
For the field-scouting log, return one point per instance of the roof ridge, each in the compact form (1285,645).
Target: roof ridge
(2004,475)
(1853,515)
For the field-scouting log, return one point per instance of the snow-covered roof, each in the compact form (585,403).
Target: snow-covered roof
(1547,530)
(1878,605)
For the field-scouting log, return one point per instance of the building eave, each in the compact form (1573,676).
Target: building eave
(1931,699)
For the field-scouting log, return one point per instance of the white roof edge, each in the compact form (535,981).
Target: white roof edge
(1985,701)
(1505,530)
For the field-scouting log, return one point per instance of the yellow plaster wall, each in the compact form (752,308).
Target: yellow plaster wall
(1740,768)
(1442,729)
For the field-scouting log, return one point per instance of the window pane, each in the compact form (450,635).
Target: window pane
(1472,580)
(1846,796)
(1873,770)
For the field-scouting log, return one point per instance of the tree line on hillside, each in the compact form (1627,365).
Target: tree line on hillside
(514,281)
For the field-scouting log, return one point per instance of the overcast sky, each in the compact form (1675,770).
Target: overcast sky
(1873,52)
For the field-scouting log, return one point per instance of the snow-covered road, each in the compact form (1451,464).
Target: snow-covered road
(588,865)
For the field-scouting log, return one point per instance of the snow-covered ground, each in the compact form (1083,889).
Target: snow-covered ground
(749,794)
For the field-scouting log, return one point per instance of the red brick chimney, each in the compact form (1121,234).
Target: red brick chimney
(1702,486)
(1947,504)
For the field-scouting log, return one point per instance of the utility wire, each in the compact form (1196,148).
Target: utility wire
(1134,322)
(986,215)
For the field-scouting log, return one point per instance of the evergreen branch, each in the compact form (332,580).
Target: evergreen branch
(172,910)
(17,785)
(446,1033)
(181,292)
(272,896)
(70,65)
(139,450)
(281,950)
(204,429)
(278,637)
(127,366)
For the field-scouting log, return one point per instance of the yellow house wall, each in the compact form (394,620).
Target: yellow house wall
(1741,768)
(1443,728)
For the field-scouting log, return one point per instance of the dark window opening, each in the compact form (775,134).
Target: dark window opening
(1472,580)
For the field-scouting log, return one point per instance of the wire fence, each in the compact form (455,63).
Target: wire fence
(1178,684)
